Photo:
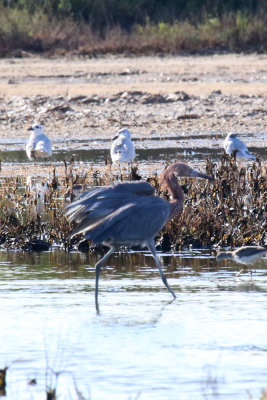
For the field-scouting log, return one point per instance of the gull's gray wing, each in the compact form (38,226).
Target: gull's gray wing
(236,144)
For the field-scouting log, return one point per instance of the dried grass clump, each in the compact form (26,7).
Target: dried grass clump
(34,210)
(231,211)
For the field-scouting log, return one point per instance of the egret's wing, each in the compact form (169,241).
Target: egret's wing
(98,211)
(137,188)
(97,203)
(85,202)
(137,221)
(89,197)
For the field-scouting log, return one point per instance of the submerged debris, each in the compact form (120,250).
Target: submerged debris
(36,245)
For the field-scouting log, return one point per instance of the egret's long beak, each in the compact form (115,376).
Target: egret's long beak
(115,137)
(201,175)
(30,128)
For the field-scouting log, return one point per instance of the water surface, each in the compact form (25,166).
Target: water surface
(208,343)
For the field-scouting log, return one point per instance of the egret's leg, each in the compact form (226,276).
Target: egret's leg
(97,274)
(152,248)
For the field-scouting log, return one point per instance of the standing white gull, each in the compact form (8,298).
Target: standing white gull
(234,145)
(39,145)
(122,149)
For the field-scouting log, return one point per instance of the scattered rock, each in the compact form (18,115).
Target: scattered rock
(88,100)
(216,92)
(181,96)
(188,116)
(63,108)
(76,99)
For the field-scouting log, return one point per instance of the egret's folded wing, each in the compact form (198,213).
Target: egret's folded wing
(137,221)
(137,188)
(83,200)
(101,201)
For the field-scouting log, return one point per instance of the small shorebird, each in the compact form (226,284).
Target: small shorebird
(122,149)
(39,145)
(234,145)
(245,255)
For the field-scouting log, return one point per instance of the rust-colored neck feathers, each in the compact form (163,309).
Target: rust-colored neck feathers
(168,181)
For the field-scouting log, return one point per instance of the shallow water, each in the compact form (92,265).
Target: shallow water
(208,343)
(150,157)
(152,152)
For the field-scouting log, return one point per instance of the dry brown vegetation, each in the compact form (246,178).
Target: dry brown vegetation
(231,211)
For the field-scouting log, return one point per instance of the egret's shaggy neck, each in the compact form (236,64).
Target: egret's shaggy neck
(174,189)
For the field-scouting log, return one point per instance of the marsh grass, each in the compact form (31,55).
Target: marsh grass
(231,211)
(37,32)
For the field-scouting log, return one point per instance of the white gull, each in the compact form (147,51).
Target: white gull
(233,144)
(122,149)
(39,145)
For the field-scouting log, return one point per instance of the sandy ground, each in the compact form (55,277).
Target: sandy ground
(81,100)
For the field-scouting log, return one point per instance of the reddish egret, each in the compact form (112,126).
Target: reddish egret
(127,214)
(245,255)
(122,149)
(39,145)
(234,145)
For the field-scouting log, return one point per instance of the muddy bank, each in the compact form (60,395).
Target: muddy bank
(88,99)
(176,107)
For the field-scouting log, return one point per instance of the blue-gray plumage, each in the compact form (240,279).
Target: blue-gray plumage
(127,214)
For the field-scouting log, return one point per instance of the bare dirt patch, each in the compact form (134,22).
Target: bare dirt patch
(88,99)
